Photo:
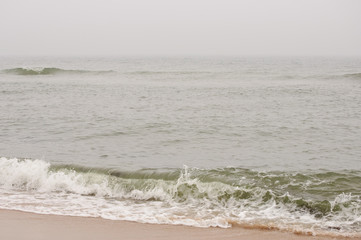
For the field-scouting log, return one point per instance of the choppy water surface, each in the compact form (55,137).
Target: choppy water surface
(269,142)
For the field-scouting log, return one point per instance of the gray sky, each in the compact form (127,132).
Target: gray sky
(185,27)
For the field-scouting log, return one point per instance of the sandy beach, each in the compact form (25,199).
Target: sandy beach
(16,225)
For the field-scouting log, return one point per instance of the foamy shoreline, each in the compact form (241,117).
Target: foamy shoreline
(17,225)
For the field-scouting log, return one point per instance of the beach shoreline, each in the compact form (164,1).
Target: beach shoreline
(18,225)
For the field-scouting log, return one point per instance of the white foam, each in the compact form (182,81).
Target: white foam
(31,185)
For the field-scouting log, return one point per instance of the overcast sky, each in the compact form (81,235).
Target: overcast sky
(185,27)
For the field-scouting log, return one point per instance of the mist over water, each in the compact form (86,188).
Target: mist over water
(280,132)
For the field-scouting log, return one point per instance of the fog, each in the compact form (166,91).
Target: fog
(187,27)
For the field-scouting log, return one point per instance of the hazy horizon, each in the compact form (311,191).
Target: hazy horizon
(162,28)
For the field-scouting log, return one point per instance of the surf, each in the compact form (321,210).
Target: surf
(221,197)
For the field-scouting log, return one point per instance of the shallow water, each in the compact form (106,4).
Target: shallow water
(268,141)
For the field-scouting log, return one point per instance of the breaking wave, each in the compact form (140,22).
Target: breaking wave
(309,203)
(353,75)
(49,71)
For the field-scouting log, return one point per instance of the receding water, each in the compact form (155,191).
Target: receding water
(267,141)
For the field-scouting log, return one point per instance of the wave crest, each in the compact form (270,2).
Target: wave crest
(353,75)
(49,71)
(188,196)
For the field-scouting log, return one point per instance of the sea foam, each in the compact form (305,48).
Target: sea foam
(189,199)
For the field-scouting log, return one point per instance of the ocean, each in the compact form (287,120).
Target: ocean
(255,142)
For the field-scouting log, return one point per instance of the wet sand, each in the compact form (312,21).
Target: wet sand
(16,225)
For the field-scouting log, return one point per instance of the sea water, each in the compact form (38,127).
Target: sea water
(269,142)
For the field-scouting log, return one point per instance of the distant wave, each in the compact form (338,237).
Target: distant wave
(49,71)
(353,75)
(31,71)
(55,71)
